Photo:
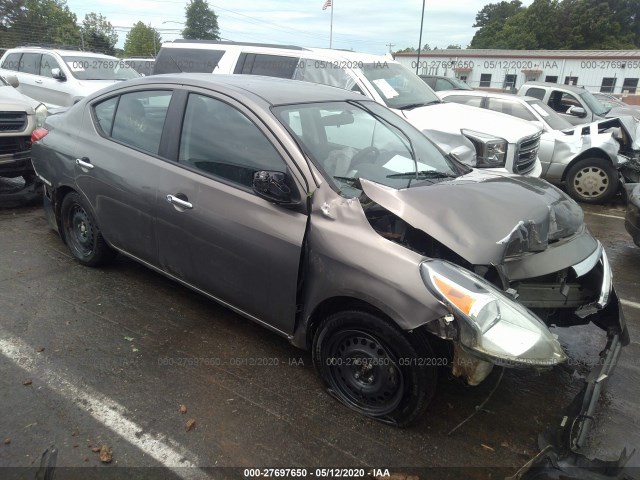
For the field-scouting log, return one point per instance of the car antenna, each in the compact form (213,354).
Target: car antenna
(176,63)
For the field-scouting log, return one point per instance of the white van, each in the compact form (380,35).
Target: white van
(479,138)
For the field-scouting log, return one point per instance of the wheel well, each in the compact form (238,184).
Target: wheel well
(591,153)
(338,304)
(58,196)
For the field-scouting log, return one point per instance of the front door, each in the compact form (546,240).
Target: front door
(213,232)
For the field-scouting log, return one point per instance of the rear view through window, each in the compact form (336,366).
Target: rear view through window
(178,60)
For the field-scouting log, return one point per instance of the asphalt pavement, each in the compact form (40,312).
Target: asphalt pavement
(123,372)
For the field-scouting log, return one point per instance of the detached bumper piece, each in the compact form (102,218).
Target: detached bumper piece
(560,456)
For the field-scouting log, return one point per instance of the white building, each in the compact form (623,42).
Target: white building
(610,71)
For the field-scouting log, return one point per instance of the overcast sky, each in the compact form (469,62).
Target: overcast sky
(361,25)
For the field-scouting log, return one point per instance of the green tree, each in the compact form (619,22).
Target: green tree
(39,22)
(491,20)
(407,50)
(142,41)
(99,35)
(202,22)
(454,47)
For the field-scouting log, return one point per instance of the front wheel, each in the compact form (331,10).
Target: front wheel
(592,180)
(81,233)
(373,367)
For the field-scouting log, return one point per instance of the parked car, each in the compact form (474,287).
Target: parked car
(333,222)
(19,117)
(144,66)
(440,82)
(583,159)
(632,218)
(610,101)
(62,77)
(481,139)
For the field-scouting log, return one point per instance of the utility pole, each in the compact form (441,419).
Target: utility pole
(390,45)
(420,42)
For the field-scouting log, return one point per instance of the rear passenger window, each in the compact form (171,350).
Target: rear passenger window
(464,100)
(177,60)
(12,62)
(219,140)
(30,63)
(267,65)
(139,118)
(509,107)
(535,93)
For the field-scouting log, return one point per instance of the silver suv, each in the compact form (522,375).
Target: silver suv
(62,77)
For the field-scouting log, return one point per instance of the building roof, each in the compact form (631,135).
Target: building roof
(552,54)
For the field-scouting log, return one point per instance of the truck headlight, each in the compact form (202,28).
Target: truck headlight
(490,151)
(41,114)
(491,323)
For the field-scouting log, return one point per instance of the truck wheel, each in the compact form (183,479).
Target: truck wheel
(373,367)
(81,233)
(592,180)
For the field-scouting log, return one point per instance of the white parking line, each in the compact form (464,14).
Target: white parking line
(604,215)
(629,303)
(106,411)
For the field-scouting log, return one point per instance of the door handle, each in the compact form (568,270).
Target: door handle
(84,162)
(38,81)
(178,202)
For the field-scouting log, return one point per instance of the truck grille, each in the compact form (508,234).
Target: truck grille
(13,121)
(10,145)
(527,153)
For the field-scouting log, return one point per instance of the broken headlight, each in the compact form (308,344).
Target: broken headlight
(490,151)
(491,323)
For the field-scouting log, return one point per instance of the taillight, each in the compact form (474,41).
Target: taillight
(38,134)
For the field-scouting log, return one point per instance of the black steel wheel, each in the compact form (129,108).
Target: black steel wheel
(373,367)
(81,232)
(592,180)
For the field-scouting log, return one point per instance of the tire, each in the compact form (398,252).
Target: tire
(396,381)
(81,233)
(592,180)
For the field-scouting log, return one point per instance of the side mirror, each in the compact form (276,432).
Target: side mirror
(577,112)
(57,74)
(12,80)
(272,186)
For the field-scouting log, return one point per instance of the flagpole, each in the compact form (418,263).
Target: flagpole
(331,28)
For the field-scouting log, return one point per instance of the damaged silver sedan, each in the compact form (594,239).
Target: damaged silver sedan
(332,221)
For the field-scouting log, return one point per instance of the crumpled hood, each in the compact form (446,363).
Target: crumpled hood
(484,216)
(11,100)
(629,124)
(452,117)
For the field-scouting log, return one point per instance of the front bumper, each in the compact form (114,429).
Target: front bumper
(16,164)
(632,219)
(560,455)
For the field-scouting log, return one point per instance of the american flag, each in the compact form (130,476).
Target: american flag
(326,4)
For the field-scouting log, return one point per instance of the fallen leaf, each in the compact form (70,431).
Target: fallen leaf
(27,382)
(7,441)
(95,449)
(105,454)
(504,444)
(129,339)
(134,349)
(190,425)
(74,433)
(76,446)
(487,447)
(183,409)
(41,349)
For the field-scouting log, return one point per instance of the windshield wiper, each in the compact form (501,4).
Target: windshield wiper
(423,174)
(411,106)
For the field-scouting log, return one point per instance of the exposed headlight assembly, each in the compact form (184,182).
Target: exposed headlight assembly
(41,114)
(490,151)
(491,323)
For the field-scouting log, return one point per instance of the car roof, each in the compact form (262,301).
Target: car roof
(571,88)
(60,52)
(272,48)
(273,91)
(484,93)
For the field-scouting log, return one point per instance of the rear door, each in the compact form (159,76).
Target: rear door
(213,232)
(118,155)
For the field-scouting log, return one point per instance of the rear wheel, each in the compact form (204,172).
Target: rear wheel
(373,367)
(81,232)
(592,180)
